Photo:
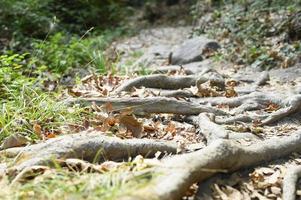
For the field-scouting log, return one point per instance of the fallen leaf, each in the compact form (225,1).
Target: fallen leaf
(50,135)
(271,107)
(108,107)
(37,129)
(231,83)
(171,128)
(132,124)
(230,92)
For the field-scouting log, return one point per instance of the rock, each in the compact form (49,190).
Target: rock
(14,140)
(193,50)
(154,56)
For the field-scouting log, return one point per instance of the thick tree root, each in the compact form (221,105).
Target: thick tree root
(290,105)
(212,131)
(87,146)
(259,98)
(150,105)
(171,69)
(209,129)
(177,173)
(166,82)
(293,106)
(159,81)
(290,181)
(263,79)
(171,93)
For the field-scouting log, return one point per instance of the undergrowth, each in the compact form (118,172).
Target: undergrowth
(263,34)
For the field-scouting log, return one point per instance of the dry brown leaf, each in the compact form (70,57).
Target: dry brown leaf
(132,124)
(50,135)
(171,128)
(271,107)
(109,121)
(108,107)
(74,93)
(37,129)
(230,92)
(231,83)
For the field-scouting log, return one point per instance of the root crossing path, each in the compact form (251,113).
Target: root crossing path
(241,120)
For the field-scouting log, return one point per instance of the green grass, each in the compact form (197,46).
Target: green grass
(29,107)
(60,184)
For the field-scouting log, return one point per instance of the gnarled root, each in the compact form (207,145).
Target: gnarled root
(213,131)
(290,105)
(208,128)
(290,182)
(87,146)
(168,82)
(159,81)
(176,174)
(151,105)
(294,105)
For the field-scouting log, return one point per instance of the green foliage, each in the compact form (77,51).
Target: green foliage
(252,32)
(22,20)
(62,52)
(15,73)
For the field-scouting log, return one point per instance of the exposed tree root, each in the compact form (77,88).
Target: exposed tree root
(255,101)
(165,82)
(234,119)
(151,105)
(171,93)
(290,182)
(171,69)
(209,129)
(87,146)
(177,173)
(159,81)
(259,98)
(263,78)
(293,106)
(213,131)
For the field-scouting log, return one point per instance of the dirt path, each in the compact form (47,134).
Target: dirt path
(221,120)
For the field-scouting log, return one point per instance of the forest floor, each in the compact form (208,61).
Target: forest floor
(235,129)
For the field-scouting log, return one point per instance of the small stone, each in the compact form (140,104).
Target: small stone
(276,190)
